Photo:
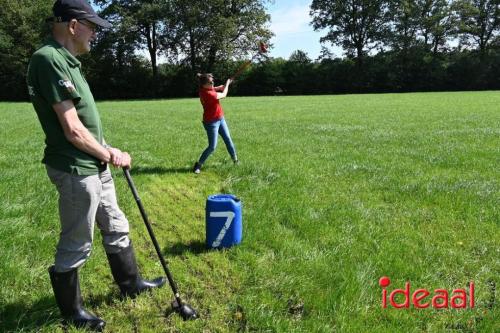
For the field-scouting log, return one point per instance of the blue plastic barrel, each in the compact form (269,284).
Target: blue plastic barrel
(223,221)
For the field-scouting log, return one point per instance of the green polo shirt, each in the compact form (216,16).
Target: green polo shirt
(55,75)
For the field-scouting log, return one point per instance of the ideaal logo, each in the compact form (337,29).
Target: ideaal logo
(420,297)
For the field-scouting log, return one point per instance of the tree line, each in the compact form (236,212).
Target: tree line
(390,46)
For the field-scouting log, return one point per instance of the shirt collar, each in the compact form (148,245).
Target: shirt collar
(71,59)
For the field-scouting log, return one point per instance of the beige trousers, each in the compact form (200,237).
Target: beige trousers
(84,200)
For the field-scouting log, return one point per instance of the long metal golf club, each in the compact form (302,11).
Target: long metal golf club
(262,51)
(183,309)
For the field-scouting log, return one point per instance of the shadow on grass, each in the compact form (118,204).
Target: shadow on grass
(44,312)
(158,170)
(20,316)
(96,300)
(179,249)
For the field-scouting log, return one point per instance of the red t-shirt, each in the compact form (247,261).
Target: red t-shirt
(212,110)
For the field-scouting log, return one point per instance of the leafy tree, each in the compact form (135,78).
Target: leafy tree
(479,22)
(196,32)
(358,26)
(299,57)
(325,53)
(417,27)
(437,23)
(405,16)
(139,23)
(209,31)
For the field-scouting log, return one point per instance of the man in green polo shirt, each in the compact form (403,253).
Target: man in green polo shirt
(76,158)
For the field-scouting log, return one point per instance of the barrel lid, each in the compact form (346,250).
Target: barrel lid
(223,197)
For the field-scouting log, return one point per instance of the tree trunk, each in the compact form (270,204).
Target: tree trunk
(436,45)
(211,58)
(192,51)
(359,55)
(152,47)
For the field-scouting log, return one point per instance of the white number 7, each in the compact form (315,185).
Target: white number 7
(229,218)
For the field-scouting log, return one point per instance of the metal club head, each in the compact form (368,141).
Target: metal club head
(184,310)
(262,54)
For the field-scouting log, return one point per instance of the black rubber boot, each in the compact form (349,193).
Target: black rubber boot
(125,272)
(66,288)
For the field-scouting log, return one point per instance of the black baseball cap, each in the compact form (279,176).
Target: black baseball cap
(66,10)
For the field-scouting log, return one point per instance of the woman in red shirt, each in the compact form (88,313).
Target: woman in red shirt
(213,118)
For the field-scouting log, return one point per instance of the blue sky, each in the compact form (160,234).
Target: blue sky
(290,22)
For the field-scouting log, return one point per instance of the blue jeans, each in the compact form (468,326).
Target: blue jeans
(214,128)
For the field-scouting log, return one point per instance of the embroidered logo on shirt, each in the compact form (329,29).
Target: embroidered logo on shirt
(67,84)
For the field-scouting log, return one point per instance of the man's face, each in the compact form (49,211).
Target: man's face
(85,33)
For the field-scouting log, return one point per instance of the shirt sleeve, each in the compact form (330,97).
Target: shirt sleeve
(54,82)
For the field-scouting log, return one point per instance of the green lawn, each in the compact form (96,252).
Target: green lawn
(337,191)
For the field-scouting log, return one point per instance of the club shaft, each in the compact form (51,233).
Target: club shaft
(243,66)
(151,234)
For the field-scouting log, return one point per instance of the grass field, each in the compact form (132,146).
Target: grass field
(337,191)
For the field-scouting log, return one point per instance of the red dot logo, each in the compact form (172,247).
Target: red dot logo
(384,281)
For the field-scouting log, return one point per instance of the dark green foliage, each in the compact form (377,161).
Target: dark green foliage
(478,22)
(22,29)
(422,70)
